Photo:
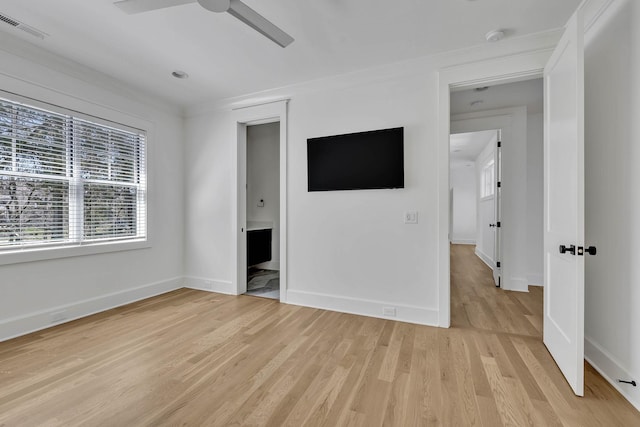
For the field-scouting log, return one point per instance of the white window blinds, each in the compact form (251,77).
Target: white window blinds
(66,180)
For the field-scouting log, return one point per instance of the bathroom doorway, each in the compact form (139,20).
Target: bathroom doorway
(263,210)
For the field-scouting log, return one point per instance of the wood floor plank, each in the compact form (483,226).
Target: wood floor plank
(196,358)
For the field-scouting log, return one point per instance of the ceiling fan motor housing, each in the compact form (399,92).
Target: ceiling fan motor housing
(215,5)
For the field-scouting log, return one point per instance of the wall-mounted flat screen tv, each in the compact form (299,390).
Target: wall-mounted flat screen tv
(356,161)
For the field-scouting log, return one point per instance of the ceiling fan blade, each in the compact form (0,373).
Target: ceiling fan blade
(138,6)
(259,23)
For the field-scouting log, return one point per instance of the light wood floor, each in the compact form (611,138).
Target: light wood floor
(477,303)
(202,359)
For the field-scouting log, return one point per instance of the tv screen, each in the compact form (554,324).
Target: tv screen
(356,161)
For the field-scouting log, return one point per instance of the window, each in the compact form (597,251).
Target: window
(487,179)
(68,180)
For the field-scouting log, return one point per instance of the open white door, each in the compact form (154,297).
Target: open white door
(497,245)
(564,204)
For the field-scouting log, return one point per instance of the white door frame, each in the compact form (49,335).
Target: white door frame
(241,118)
(512,122)
(508,69)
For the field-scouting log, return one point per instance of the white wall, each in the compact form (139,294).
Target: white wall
(348,250)
(345,247)
(31,291)
(463,183)
(612,195)
(263,182)
(535,258)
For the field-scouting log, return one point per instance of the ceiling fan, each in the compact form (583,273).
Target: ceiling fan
(235,7)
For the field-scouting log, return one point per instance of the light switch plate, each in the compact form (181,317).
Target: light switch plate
(411,217)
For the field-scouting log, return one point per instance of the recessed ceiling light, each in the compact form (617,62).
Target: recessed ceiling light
(494,36)
(476,103)
(180,74)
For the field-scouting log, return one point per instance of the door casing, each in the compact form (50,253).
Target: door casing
(241,118)
(496,71)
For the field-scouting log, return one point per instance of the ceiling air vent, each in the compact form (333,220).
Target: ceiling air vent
(21,26)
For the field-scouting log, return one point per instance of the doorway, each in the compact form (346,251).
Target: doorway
(247,121)
(263,210)
(503,144)
(474,179)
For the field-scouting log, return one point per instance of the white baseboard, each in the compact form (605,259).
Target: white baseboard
(518,284)
(269,265)
(486,259)
(17,326)
(404,313)
(535,280)
(210,285)
(463,241)
(611,370)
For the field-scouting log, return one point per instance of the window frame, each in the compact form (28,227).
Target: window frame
(488,169)
(52,101)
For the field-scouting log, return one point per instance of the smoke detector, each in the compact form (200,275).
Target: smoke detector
(494,36)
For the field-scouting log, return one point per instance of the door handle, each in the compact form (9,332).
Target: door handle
(571,249)
(492,225)
(591,250)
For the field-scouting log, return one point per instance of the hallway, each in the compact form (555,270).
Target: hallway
(477,303)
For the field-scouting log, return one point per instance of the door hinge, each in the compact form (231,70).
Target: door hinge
(498,264)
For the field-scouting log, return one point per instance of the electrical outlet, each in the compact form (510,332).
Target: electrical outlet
(59,316)
(389,311)
(411,217)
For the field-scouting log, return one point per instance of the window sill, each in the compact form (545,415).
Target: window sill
(42,254)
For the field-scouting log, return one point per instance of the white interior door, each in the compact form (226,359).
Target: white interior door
(564,204)
(497,236)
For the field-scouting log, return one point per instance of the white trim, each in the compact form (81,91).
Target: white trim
(22,325)
(484,258)
(388,72)
(519,284)
(363,307)
(463,241)
(501,70)
(593,11)
(41,253)
(210,285)
(535,280)
(241,117)
(611,369)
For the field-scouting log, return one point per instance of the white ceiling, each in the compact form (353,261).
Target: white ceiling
(226,58)
(528,93)
(464,148)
